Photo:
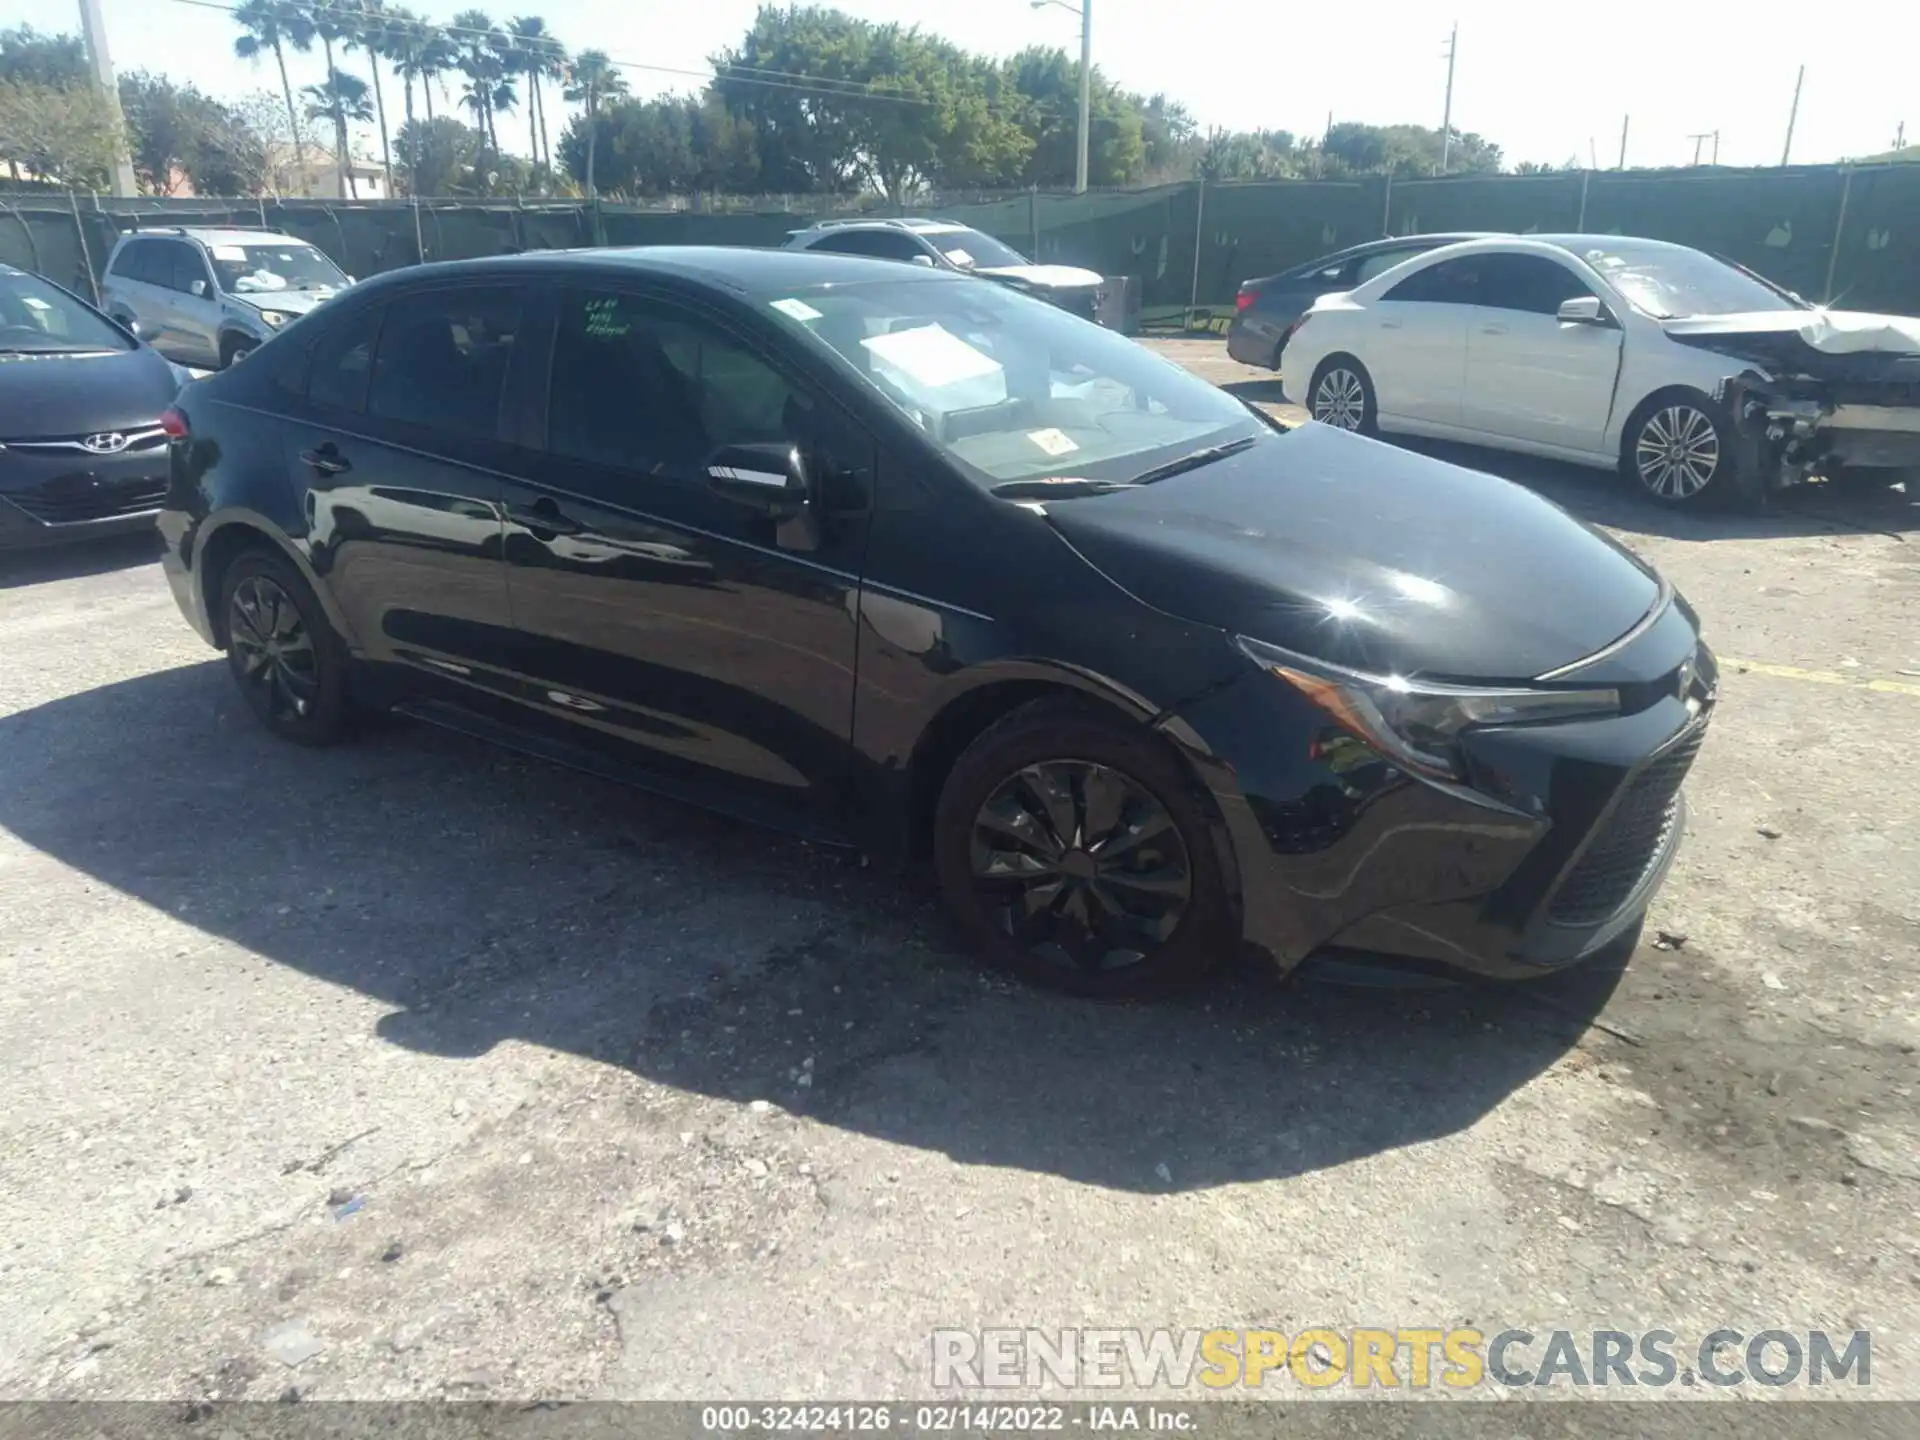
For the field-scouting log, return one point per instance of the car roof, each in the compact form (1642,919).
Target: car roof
(918,225)
(754,273)
(215,235)
(1573,243)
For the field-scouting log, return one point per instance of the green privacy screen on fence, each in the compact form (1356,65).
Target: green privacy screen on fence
(1850,235)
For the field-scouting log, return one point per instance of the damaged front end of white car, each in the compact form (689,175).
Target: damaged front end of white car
(1830,393)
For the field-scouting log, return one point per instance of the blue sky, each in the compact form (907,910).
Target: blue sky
(1545,81)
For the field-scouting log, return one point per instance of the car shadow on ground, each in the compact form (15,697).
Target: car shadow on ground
(1603,498)
(71,562)
(487,898)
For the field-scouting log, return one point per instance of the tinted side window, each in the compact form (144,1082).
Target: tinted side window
(1451,282)
(145,260)
(1379,263)
(881,244)
(644,387)
(1531,283)
(126,262)
(442,359)
(343,361)
(187,266)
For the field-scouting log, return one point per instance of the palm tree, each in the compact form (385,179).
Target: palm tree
(372,26)
(334,20)
(541,57)
(342,97)
(274,25)
(594,79)
(479,47)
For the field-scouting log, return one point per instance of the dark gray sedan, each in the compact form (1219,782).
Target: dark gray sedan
(1265,309)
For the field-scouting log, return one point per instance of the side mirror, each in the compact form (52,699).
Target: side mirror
(766,479)
(198,287)
(1583,310)
(132,327)
(926,260)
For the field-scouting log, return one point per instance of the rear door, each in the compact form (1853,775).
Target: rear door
(194,302)
(400,446)
(145,284)
(663,626)
(1414,340)
(1529,377)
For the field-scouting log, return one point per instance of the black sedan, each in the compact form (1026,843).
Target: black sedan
(1266,310)
(913,562)
(82,452)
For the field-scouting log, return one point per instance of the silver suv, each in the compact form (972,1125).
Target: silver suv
(207,297)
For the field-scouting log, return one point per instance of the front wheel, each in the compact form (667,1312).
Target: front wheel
(1682,453)
(1073,850)
(1341,395)
(236,348)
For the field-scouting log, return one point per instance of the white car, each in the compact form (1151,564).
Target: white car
(1692,375)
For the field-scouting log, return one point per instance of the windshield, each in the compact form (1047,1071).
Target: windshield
(257,269)
(1667,282)
(41,319)
(970,249)
(1014,388)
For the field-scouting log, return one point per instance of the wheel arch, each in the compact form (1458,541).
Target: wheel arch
(223,539)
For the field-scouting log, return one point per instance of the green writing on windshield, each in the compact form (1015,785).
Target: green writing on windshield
(604,321)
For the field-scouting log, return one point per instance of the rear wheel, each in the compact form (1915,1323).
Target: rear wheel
(1073,851)
(1341,395)
(289,664)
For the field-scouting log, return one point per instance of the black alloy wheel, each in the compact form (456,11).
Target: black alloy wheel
(285,657)
(1075,850)
(1080,865)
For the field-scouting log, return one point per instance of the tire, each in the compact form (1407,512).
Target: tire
(283,654)
(1341,395)
(236,348)
(1680,450)
(1164,914)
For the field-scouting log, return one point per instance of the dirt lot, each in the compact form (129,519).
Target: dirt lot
(414,1069)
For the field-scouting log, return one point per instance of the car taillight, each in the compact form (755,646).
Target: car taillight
(174,424)
(1244,300)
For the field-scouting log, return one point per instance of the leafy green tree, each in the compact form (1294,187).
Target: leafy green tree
(441,154)
(28,57)
(276,26)
(593,80)
(66,134)
(1048,84)
(177,131)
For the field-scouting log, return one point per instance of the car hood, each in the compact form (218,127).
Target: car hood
(293,302)
(1045,277)
(61,396)
(1812,340)
(1358,553)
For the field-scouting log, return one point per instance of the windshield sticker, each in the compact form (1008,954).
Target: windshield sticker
(798,309)
(229,252)
(960,257)
(931,356)
(1052,441)
(603,319)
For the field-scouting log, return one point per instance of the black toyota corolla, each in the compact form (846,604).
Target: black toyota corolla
(82,452)
(916,563)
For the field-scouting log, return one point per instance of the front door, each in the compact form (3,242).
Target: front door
(399,451)
(1529,377)
(663,626)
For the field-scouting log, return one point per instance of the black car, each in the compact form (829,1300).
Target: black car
(917,563)
(82,451)
(1266,310)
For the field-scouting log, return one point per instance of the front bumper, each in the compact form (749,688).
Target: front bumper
(1551,856)
(56,498)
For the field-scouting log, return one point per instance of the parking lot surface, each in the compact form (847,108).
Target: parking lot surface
(414,1069)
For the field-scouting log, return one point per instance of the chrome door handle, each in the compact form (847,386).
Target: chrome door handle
(326,460)
(1493,329)
(1389,324)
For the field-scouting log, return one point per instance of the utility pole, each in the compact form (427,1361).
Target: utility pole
(1705,135)
(1446,115)
(94,27)
(1793,115)
(1900,136)
(1086,96)
(1625,121)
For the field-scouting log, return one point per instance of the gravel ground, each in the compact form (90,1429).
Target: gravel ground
(412,1069)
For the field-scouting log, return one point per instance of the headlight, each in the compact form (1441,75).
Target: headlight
(1415,722)
(275,318)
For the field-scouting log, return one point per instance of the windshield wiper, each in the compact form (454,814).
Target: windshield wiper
(1058,487)
(1204,456)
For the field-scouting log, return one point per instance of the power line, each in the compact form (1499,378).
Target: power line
(748,74)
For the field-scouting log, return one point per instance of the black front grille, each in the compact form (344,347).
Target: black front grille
(1631,840)
(74,505)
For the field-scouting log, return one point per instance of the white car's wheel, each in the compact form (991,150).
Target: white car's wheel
(1341,395)
(1677,450)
